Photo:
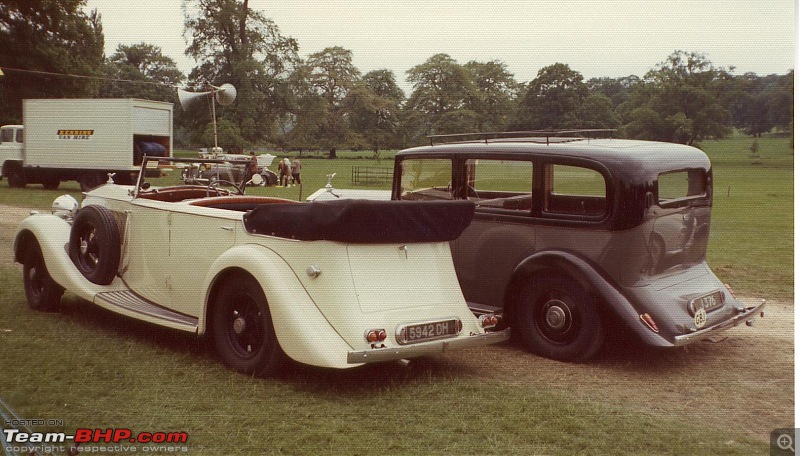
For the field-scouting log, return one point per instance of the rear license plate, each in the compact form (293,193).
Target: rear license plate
(708,303)
(424,332)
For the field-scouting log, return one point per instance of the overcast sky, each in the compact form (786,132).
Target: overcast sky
(594,37)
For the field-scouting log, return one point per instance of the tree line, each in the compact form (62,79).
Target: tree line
(323,102)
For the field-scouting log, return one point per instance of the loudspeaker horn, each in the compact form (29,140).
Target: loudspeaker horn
(225,94)
(188,98)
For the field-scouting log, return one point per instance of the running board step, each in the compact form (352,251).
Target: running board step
(130,301)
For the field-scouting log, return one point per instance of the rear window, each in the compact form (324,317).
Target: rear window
(676,187)
(500,184)
(574,191)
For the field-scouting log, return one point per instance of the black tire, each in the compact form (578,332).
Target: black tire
(94,244)
(51,183)
(16,179)
(42,292)
(242,328)
(89,181)
(557,318)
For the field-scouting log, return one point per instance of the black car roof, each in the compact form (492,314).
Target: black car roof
(619,155)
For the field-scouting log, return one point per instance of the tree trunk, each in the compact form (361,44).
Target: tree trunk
(332,153)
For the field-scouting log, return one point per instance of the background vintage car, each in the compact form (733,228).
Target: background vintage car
(332,284)
(575,237)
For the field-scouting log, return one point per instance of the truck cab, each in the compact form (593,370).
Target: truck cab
(10,149)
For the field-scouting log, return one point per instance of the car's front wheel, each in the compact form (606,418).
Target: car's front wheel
(41,291)
(242,328)
(557,318)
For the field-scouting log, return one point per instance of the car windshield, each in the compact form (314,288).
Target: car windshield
(209,172)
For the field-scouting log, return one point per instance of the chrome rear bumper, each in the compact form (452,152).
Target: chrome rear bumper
(747,314)
(429,348)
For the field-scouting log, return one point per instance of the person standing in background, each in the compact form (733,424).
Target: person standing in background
(287,166)
(296,167)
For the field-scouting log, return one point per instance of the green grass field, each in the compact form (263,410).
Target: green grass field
(91,368)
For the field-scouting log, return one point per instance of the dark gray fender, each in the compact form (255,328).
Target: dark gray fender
(591,279)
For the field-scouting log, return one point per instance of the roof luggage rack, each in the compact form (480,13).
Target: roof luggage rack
(540,136)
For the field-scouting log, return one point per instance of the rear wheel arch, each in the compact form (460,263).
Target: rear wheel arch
(239,323)
(213,293)
(21,243)
(542,263)
(557,277)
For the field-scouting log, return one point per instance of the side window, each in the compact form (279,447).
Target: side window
(677,186)
(574,191)
(19,135)
(500,184)
(426,179)
(6,135)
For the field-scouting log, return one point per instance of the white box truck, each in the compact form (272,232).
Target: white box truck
(83,140)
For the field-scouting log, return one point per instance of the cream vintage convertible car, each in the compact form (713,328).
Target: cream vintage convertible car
(332,284)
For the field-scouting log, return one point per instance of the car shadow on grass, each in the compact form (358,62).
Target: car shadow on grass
(366,378)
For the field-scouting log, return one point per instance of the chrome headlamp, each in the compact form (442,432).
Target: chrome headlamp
(65,207)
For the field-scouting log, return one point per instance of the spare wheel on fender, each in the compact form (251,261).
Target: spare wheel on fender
(94,244)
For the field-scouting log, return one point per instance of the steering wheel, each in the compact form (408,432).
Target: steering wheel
(216,183)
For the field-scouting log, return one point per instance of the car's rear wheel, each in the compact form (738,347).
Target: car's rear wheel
(242,328)
(43,294)
(94,244)
(557,318)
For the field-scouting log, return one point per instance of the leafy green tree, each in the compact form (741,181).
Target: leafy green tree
(47,36)
(552,99)
(373,107)
(444,93)
(679,101)
(782,102)
(332,75)
(616,89)
(154,76)
(496,90)
(596,111)
(241,46)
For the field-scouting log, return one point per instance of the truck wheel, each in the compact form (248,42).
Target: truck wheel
(51,183)
(16,179)
(557,318)
(42,292)
(242,328)
(94,244)
(89,181)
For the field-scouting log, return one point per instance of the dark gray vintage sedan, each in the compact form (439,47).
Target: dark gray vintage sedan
(572,236)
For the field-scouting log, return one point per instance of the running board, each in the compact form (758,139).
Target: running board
(131,302)
(483,309)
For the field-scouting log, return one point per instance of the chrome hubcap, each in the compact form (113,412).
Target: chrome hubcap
(239,325)
(556,315)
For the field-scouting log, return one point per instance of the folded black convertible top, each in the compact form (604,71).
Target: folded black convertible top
(362,221)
